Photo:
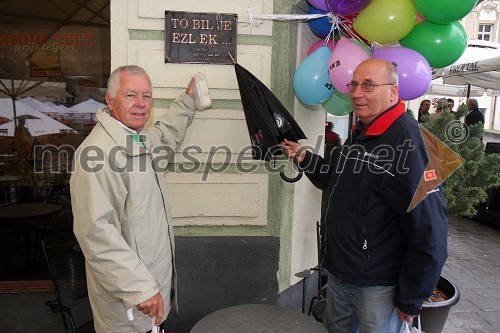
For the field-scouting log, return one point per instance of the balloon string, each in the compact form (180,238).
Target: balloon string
(338,22)
(346,30)
(254,20)
(288,17)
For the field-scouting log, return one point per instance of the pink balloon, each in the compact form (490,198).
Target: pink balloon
(414,72)
(346,56)
(320,43)
(320,4)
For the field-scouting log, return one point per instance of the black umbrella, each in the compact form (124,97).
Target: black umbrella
(268,121)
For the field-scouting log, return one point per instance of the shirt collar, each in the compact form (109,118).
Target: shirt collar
(128,129)
(381,123)
(121,134)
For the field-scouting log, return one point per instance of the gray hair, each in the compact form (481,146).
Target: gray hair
(114,78)
(392,73)
(472,103)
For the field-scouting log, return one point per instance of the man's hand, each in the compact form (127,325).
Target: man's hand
(153,307)
(404,316)
(293,150)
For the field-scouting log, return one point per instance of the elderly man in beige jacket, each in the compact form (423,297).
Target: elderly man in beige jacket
(121,216)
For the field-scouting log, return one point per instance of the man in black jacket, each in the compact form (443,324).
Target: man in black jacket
(474,116)
(383,258)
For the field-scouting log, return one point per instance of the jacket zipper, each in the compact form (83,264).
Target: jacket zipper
(365,242)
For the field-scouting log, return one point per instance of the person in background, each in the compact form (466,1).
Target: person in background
(423,110)
(120,205)
(474,116)
(23,166)
(451,105)
(441,107)
(22,134)
(383,259)
(331,137)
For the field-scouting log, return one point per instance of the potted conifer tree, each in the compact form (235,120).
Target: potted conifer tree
(467,186)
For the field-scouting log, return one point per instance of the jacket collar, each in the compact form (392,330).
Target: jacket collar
(380,124)
(120,134)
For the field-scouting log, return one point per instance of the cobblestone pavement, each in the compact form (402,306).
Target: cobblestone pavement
(473,265)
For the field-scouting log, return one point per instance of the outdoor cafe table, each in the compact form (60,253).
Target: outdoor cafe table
(263,318)
(26,213)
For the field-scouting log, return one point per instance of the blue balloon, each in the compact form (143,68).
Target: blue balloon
(320,26)
(311,82)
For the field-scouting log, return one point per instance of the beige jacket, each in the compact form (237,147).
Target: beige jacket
(434,116)
(121,216)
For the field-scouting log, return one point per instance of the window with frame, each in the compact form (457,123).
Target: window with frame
(55,61)
(485,32)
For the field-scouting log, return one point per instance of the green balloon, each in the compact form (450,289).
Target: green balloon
(444,11)
(440,44)
(339,104)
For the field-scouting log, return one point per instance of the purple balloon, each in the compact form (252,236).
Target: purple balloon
(346,7)
(414,72)
(320,4)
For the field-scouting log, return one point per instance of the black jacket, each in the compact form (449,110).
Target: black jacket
(371,239)
(474,117)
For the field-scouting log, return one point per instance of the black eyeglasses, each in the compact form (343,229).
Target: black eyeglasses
(365,86)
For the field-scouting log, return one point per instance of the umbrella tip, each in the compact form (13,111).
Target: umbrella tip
(232,58)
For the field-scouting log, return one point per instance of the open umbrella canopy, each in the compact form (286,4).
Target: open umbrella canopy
(47,108)
(87,107)
(48,89)
(268,121)
(27,116)
(84,112)
(36,122)
(36,87)
(478,66)
(438,88)
(4,120)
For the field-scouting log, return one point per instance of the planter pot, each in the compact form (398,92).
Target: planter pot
(433,316)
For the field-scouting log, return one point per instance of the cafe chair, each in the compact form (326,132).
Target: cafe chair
(318,301)
(66,265)
(59,224)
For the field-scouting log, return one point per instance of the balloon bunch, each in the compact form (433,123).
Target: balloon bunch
(415,35)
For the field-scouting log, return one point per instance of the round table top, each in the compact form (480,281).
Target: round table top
(263,318)
(29,210)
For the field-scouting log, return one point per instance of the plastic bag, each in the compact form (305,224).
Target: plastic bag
(408,329)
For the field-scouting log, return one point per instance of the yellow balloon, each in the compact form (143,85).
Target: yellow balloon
(386,21)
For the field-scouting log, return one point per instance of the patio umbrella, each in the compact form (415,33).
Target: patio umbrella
(438,88)
(27,116)
(37,123)
(84,112)
(4,120)
(268,121)
(26,87)
(479,66)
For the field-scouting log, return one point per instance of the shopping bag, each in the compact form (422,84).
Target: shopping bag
(408,329)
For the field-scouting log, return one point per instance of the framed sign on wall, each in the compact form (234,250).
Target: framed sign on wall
(202,38)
